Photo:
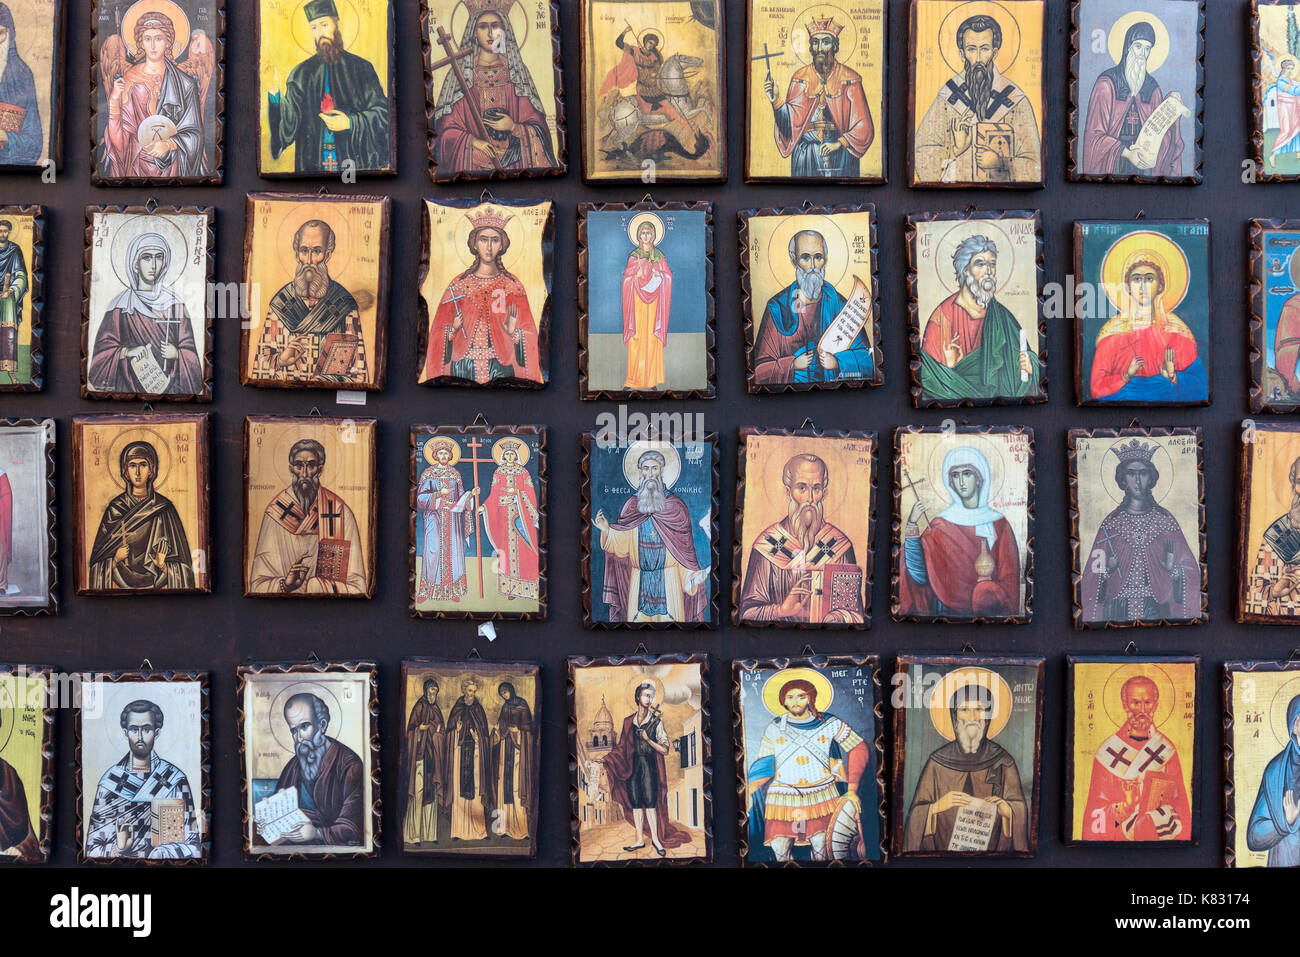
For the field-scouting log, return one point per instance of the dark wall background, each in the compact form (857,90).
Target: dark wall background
(218,631)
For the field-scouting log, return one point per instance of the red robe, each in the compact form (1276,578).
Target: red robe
(1106,117)
(950,553)
(1115,351)
(618,767)
(511,514)
(953,321)
(493,340)
(1114,798)
(844,99)
(1286,343)
(637,273)
(1288,119)
(491,88)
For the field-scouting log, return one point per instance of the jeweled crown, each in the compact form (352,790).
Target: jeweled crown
(1135,451)
(488,217)
(824,25)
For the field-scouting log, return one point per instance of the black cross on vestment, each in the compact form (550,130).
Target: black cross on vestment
(118,779)
(286,508)
(1000,98)
(777,546)
(823,550)
(1117,757)
(1152,757)
(331,516)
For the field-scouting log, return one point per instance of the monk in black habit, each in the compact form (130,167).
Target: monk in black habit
(333,108)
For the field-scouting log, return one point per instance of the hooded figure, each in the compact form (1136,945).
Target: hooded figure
(18,89)
(1275,820)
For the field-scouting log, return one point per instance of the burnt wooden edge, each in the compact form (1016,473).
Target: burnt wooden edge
(897,526)
(48,443)
(204,811)
(1244,564)
(1074,144)
(391,168)
(150,209)
(53,140)
(711,624)
(1194,793)
(911,229)
(313,421)
(474,665)
(1205,350)
(35,297)
(1258,230)
(251,670)
(866,562)
(202,542)
(1230,670)
(1077,546)
(877,744)
(424,317)
(213,178)
(42,828)
(710,390)
(588,98)
(953,662)
(542,583)
(747,302)
(573,664)
(378,357)
(1257,93)
(431,101)
(912,175)
(879,123)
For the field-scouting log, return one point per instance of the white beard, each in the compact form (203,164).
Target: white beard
(1135,72)
(969,736)
(810,283)
(981,289)
(4,54)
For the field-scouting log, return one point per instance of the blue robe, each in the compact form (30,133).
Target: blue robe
(856,362)
(18,88)
(1268,829)
(1193,386)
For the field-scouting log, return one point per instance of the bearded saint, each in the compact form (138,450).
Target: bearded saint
(647,302)
(802,568)
(447,522)
(1123,97)
(512,519)
(651,573)
(469,792)
(24,146)
(426,750)
(501,92)
(971,345)
(969,767)
(1274,587)
(483,330)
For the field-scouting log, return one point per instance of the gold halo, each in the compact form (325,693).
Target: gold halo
(1107,470)
(672,462)
(134,434)
(349,26)
(837,486)
(1277,709)
(158,223)
(180,22)
(955,440)
(646,217)
(1114,704)
(640,677)
(463,229)
(521,447)
(434,441)
(1293,268)
(338,263)
(460,17)
(778,247)
(278,728)
(1010,48)
(1159,51)
(1172,259)
(825,694)
(942,693)
(962,230)
(800,41)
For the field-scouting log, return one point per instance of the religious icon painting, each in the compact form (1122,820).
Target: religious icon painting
(805,523)
(31,84)
(654,91)
(810,286)
(22,291)
(316,267)
(470,758)
(478,522)
(963,546)
(140,504)
(809,760)
(976,99)
(146,332)
(975,283)
(1275,315)
(1131,723)
(967,756)
(494,89)
(143,759)
(27,708)
(1137,527)
(158,92)
(1275,89)
(325,85)
(1135,97)
(1268,530)
(311,507)
(1142,326)
(309,746)
(655,262)
(642,787)
(816,93)
(29,570)
(1261,745)
(485,291)
(650,532)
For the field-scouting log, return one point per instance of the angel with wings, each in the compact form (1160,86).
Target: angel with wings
(157,76)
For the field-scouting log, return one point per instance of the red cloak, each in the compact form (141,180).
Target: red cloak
(950,553)
(618,768)
(844,99)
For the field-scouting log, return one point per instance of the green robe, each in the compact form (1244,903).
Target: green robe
(990,372)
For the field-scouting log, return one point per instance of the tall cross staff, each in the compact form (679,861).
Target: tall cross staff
(912,487)
(767,59)
(453,59)
(474,460)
